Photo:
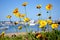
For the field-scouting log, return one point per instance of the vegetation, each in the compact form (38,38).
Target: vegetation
(44,35)
(53,35)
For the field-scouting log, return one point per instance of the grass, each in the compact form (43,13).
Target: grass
(53,35)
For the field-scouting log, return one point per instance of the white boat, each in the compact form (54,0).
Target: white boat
(32,23)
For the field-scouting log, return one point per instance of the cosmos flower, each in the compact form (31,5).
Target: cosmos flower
(42,23)
(26,19)
(38,6)
(16,10)
(48,7)
(8,16)
(54,25)
(49,22)
(24,4)
(20,27)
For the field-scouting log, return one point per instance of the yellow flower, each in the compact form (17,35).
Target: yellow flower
(41,26)
(48,7)
(43,23)
(24,4)
(16,23)
(17,15)
(54,25)
(22,15)
(2,34)
(38,35)
(49,22)
(16,10)
(39,21)
(39,14)
(38,6)
(20,27)
(26,19)
(8,16)
(49,17)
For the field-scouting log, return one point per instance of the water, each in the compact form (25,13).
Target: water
(14,28)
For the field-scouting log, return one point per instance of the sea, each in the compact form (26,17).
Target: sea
(14,28)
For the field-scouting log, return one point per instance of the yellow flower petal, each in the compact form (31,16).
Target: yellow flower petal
(38,35)
(8,16)
(2,34)
(49,22)
(41,26)
(17,15)
(20,27)
(16,10)
(26,19)
(24,4)
(54,26)
(38,6)
(48,7)
(43,23)
(22,15)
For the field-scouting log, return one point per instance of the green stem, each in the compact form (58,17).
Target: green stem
(20,19)
(43,29)
(25,11)
(26,28)
(48,28)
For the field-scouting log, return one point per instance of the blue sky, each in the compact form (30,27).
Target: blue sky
(7,7)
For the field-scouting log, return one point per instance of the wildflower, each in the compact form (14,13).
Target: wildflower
(41,26)
(26,19)
(39,15)
(24,4)
(42,23)
(22,15)
(14,35)
(38,35)
(16,10)
(47,12)
(49,17)
(15,23)
(20,27)
(58,22)
(17,15)
(54,25)
(2,34)
(48,7)
(38,6)
(39,21)
(8,17)
(49,22)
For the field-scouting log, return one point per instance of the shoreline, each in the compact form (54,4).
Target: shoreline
(17,34)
